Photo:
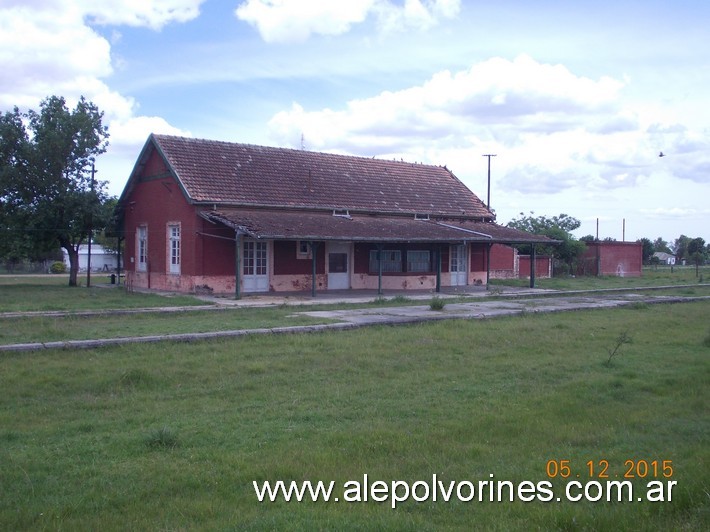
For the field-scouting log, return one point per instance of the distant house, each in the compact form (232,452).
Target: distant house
(237,218)
(101,259)
(664,258)
(621,259)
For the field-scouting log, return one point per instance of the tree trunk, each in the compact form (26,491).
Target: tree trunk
(73,254)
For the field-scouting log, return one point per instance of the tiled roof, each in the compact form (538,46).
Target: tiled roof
(294,225)
(247,175)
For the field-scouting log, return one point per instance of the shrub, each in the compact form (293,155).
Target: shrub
(436,303)
(58,267)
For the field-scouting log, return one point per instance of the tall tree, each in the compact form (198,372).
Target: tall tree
(49,190)
(661,245)
(558,228)
(680,247)
(14,245)
(697,253)
(647,250)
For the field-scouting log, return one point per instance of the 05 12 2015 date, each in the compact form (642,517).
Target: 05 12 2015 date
(630,469)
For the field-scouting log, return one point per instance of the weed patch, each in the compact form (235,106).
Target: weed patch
(162,438)
(437,303)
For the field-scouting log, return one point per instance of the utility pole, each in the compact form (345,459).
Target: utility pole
(488,203)
(91,222)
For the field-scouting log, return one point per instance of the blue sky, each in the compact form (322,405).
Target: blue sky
(576,99)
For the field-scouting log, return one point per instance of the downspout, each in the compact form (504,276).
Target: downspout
(118,267)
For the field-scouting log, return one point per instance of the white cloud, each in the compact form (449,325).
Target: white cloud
(50,48)
(152,14)
(497,100)
(552,130)
(297,20)
(47,50)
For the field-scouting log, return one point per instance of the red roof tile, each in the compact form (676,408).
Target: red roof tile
(247,175)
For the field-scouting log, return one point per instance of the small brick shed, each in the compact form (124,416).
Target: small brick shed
(621,259)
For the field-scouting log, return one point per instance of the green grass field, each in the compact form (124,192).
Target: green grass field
(59,329)
(20,293)
(171,436)
(651,276)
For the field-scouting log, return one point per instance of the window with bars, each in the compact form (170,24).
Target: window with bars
(391,261)
(418,261)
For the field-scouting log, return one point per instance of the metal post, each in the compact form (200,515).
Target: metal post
(488,202)
(438,268)
(237,265)
(532,266)
(488,264)
(314,252)
(118,267)
(379,269)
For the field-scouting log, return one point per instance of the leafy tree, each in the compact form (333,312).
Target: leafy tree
(108,237)
(647,250)
(49,192)
(14,245)
(660,245)
(680,247)
(697,253)
(558,228)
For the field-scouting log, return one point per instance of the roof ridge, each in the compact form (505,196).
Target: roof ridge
(239,173)
(296,150)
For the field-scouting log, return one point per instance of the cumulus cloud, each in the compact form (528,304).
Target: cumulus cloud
(154,14)
(49,47)
(296,20)
(496,100)
(553,130)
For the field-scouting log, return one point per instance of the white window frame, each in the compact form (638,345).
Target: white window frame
(457,261)
(303,250)
(142,248)
(255,258)
(174,245)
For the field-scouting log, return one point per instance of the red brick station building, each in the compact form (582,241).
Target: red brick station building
(202,215)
